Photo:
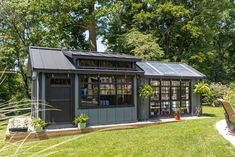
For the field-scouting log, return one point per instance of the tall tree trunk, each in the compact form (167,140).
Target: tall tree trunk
(92,26)
(92,37)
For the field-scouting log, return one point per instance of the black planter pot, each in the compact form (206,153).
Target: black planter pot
(25,129)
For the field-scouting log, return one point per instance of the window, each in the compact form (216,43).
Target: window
(184,93)
(155,106)
(165,97)
(89,63)
(169,94)
(124,90)
(108,64)
(175,90)
(124,65)
(60,81)
(185,83)
(185,96)
(106,90)
(155,82)
(104,64)
(165,83)
(89,90)
(165,90)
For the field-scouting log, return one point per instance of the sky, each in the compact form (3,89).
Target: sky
(100,46)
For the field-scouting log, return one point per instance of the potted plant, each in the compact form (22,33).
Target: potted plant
(202,89)
(38,124)
(178,111)
(146,90)
(81,121)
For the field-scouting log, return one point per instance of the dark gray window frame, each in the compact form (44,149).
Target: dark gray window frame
(160,94)
(60,85)
(106,68)
(109,106)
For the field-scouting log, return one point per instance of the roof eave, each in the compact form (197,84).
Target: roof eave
(175,77)
(105,58)
(88,71)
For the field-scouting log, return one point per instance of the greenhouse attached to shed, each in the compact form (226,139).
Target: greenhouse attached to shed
(105,86)
(173,87)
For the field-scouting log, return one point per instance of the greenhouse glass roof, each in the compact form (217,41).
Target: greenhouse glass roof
(168,69)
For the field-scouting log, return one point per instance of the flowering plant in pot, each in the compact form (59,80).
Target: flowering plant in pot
(81,121)
(38,124)
(177,112)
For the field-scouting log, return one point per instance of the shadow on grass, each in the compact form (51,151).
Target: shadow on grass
(209,115)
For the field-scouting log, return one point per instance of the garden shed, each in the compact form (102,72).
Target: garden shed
(68,83)
(105,86)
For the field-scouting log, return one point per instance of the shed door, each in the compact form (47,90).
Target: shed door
(59,100)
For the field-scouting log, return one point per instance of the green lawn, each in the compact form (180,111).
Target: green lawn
(186,138)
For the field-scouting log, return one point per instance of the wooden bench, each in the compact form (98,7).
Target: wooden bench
(229,115)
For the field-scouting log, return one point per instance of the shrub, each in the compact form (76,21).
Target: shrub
(83,118)
(217,91)
(146,90)
(230,94)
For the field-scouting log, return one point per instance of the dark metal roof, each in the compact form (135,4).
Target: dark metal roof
(49,59)
(101,55)
(54,60)
(45,58)
(169,69)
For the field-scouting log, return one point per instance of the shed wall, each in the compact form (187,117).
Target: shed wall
(140,110)
(194,97)
(143,103)
(98,116)
(110,115)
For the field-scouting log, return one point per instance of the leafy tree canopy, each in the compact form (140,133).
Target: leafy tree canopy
(197,32)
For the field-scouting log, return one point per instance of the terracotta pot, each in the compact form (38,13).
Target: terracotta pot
(177,116)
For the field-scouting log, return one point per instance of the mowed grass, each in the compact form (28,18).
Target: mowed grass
(196,138)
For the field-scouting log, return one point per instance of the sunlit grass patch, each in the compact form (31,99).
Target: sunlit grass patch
(185,138)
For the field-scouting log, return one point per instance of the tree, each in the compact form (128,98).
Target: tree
(23,24)
(142,45)
(14,37)
(72,19)
(197,32)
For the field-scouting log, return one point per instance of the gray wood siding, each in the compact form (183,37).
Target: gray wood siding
(194,97)
(110,115)
(143,103)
